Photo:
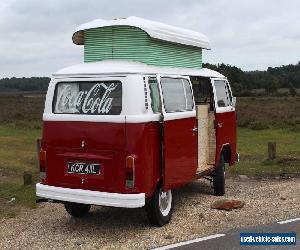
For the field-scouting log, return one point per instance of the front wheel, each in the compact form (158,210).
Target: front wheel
(159,207)
(219,178)
(76,209)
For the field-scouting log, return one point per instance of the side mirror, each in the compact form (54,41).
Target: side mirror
(233,101)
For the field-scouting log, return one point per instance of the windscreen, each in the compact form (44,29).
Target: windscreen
(91,98)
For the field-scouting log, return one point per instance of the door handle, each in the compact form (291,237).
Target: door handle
(220,124)
(195,129)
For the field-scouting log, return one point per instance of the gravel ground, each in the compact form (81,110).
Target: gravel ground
(50,227)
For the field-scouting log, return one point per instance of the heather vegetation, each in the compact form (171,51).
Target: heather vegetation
(259,113)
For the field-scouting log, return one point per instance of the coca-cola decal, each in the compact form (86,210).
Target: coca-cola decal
(100,98)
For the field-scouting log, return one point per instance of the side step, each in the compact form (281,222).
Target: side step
(47,200)
(203,173)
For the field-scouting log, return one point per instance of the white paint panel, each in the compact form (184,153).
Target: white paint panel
(103,118)
(179,115)
(133,107)
(225,109)
(125,67)
(143,118)
(156,30)
(133,95)
(84,118)
(133,102)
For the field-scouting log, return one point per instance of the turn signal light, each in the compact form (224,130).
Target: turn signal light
(130,171)
(43,160)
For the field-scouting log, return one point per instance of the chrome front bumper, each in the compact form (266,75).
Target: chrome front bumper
(90,197)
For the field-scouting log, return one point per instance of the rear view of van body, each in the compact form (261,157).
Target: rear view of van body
(92,128)
(123,133)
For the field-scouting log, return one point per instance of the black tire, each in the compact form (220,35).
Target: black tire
(76,209)
(219,178)
(154,212)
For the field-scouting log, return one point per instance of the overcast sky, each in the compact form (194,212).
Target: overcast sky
(36,35)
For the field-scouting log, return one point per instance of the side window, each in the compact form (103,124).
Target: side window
(155,96)
(222,93)
(177,95)
(229,92)
(188,95)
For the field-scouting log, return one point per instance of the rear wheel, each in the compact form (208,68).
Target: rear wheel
(76,209)
(219,178)
(159,207)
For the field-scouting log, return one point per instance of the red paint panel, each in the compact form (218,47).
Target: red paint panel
(107,144)
(143,140)
(180,152)
(226,134)
(104,145)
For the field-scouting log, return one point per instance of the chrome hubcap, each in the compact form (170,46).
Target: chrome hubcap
(165,200)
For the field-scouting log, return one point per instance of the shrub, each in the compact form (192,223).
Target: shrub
(257,125)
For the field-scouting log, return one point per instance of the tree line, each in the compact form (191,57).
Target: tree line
(242,82)
(24,84)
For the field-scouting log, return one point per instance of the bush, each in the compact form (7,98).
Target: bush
(293,91)
(268,112)
(257,125)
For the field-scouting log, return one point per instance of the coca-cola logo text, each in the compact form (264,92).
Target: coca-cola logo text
(96,100)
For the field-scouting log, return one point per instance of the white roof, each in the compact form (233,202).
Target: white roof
(156,30)
(121,67)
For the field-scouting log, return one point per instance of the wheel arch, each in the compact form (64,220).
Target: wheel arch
(226,152)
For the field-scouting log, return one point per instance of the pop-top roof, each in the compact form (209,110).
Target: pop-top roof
(155,30)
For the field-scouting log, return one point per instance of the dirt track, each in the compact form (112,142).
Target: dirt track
(50,227)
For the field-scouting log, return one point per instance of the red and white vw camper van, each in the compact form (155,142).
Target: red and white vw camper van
(124,133)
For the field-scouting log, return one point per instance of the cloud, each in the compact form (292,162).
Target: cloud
(36,35)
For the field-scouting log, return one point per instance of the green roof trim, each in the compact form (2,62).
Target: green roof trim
(130,43)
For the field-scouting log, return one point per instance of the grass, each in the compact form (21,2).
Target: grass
(261,120)
(20,125)
(18,148)
(253,149)
(17,154)
(14,196)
